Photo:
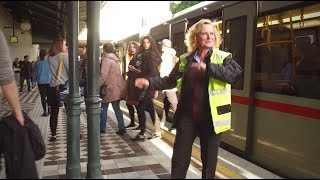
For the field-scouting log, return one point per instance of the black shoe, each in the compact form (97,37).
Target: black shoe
(121,131)
(136,129)
(102,131)
(52,139)
(44,114)
(130,125)
(140,137)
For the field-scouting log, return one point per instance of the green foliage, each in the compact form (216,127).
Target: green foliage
(177,6)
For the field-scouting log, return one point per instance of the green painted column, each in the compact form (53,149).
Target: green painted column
(93,99)
(73,105)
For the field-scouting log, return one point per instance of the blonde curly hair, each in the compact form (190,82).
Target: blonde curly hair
(194,30)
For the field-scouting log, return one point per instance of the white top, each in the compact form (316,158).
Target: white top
(54,65)
(167,64)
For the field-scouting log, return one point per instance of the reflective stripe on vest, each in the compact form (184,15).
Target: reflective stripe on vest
(222,123)
(219,92)
(220,95)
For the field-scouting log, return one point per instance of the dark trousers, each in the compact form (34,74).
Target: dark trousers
(169,101)
(146,104)
(22,78)
(43,90)
(187,130)
(131,113)
(54,119)
(54,104)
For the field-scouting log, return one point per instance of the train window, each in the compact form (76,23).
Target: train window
(235,42)
(287,53)
(178,43)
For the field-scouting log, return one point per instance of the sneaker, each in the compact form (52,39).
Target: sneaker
(136,129)
(44,114)
(172,130)
(141,137)
(121,131)
(155,135)
(130,125)
(52,139)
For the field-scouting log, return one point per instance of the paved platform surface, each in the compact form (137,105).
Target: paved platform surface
(121,157)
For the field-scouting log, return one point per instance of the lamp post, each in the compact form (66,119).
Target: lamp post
(93,100)
(73,169)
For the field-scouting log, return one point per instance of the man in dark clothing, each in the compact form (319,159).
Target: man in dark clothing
(25,73)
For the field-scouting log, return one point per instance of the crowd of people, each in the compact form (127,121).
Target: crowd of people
(202,76)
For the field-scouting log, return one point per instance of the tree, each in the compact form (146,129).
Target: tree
(177,6)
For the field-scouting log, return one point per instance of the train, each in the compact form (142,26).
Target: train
(276,105)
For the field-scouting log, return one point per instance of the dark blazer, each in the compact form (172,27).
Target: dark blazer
(16,148)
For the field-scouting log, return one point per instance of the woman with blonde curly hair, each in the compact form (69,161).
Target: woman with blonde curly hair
(203,76)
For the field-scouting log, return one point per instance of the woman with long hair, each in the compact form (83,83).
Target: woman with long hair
(151,60)
(57,53)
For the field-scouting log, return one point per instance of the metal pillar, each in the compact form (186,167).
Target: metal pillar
(93,99)
(73,107)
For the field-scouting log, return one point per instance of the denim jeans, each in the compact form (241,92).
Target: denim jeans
(118,112)
(22,78)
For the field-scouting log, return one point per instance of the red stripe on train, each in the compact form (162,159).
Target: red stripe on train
(240,100)
(281,107)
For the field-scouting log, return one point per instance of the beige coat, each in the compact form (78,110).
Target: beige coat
(110,76)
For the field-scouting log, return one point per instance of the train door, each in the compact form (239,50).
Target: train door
(238,33)
(177,32)
(287,88)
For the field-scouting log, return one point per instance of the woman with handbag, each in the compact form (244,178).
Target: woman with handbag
(113,88)
(59,69)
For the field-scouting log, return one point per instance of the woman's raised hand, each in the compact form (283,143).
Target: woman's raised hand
(141,83)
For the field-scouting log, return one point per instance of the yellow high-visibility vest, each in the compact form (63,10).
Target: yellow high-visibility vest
(219,93)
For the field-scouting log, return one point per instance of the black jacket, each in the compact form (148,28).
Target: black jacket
(26,69)
(134,93)
(16,147)
(229,71)
(150,67)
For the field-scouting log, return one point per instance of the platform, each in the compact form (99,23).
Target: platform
(121,157)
